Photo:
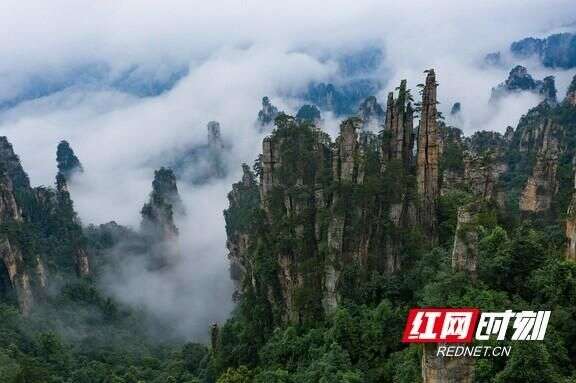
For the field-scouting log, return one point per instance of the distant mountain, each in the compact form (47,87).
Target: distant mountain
(135,80)
(356,80)
(520,80)
(555,51)
(342,99)
(203,162)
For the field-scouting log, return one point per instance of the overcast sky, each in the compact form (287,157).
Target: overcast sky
(237,51)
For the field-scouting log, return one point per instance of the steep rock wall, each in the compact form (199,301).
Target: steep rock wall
(428,157)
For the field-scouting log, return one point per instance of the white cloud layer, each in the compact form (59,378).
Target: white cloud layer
(237,51)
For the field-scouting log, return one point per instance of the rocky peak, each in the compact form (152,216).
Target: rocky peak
(34,207)
(200,162)
(11,164)
(157,226)
(456,108)
(311,186)
(548,90)
(214,135)
(165,190)
(158,213)
(371,112)
(428,156)
(571,93)
(347,148)
(309,113)
(268,113)
(520,80)
(332,214)
(399,127)
(216,165)
(68,163)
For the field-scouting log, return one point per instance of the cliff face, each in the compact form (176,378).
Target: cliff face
(571,94)
(465,250)
(540,138)
(474,165)
(53,233)
(158,227)
(571,230)
(244,200)
(548,90)
(539,154)
(11,257)
(444,369)
(11,165)
(326,216)
(542,184)
(483,172)
(479,169)
(9,209)
(331,204)
(68,163)
(65,210)
(427,163)
(439,369)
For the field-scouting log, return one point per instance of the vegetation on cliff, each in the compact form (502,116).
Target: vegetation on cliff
(331,241)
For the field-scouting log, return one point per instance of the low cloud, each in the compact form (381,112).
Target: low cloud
(236,51)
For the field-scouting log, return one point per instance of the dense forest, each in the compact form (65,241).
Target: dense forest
(331,242)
